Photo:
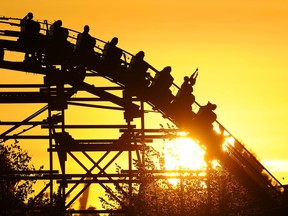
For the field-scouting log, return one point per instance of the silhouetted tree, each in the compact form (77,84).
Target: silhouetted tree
(217,193)
(16,191)
(13,192)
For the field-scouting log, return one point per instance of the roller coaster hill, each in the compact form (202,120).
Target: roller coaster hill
(65,61)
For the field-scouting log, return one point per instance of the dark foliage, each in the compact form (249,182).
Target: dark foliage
(216,193)
(16,191)
(13,191)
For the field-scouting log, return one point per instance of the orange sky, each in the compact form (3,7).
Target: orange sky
(239,46)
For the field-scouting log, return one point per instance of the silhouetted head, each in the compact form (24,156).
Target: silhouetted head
(167,69)
(114,41)
(211,106)
(30,15)
(186,79)
(140,55)
(86,28)
(58,23)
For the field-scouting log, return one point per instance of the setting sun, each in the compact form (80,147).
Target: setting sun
(184,153)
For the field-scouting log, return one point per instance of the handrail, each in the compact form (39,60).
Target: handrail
(45,29)
(243,148)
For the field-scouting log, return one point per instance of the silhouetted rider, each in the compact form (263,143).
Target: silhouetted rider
(181,106)
(206,116)
(85,47)
(160,88)
(58,33)
(85,42)
(184,97)
(137,72)
(112,54)
(59,48)
(28,26)
(30,36)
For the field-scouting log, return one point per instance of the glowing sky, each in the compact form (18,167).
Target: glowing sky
(240,47)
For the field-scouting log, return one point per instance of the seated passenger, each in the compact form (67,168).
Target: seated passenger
(163,79)
(181,106)
(58,33)
(85,47)
(203,128)
(29,27)
(30,38)
(137,73)
(160,87)
(205,116)
(112,54)
(85,42)
(59,48)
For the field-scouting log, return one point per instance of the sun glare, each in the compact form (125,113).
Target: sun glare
(183,154)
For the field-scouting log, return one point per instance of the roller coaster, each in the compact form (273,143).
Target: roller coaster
(71,69)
